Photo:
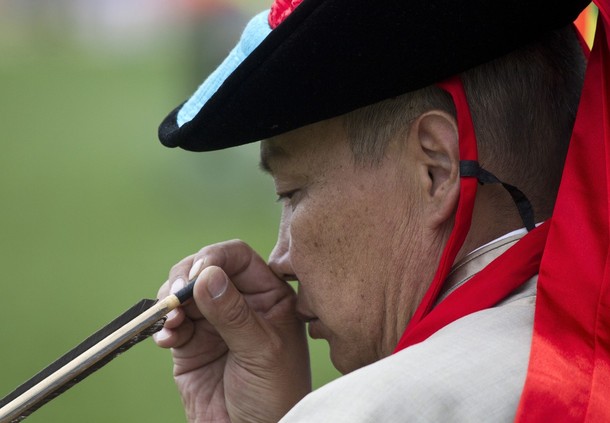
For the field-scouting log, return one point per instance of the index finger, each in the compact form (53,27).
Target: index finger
(248,271)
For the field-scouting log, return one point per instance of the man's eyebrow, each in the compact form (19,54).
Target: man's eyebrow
(268,151)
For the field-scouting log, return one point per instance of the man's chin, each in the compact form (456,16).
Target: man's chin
(343,359)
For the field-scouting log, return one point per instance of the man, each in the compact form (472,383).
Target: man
(382,224)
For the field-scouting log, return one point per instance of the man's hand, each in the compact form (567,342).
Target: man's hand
(239,352)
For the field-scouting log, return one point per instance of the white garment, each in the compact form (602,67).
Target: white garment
(472,370)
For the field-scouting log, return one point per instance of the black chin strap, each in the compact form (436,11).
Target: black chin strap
(526,211)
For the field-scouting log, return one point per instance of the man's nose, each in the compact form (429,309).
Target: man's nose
(279,259)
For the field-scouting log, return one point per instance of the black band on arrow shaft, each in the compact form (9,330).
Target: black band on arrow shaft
(186,292)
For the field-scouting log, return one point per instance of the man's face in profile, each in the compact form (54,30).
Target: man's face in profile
(350,234)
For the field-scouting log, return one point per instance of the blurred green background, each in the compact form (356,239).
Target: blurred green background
(94,211)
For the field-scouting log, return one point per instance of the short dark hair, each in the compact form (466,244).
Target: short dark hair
(523,107)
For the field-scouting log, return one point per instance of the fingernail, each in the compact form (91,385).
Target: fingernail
(172,314)
(217,284)
(162,335)
(195,269)
(177,286)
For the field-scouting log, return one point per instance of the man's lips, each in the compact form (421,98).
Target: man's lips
(305,317)
(314,328)
(313,324)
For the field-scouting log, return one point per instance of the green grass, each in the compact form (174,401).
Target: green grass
(94,212)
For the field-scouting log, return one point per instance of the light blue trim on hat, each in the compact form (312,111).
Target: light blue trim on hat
(255,32)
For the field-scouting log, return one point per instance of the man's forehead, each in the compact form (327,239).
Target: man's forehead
(313,143)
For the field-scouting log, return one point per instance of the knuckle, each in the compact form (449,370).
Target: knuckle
(242,247)
(232,245)
(181,266)
(237,243)
(174,269)
(238,314)
(204,250)
(214,254)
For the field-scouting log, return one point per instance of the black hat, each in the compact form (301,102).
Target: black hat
(329,57)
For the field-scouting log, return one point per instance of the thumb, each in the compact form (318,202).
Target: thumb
(226,309)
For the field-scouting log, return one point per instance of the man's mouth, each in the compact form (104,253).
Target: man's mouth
(313,323)
(314,328)
(305,317)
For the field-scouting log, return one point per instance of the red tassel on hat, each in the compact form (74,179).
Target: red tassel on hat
(280,11)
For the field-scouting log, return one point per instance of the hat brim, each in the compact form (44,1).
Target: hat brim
(330,57)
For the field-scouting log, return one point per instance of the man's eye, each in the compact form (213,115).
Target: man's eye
(282,196)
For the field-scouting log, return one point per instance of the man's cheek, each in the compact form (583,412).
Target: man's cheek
(308,233)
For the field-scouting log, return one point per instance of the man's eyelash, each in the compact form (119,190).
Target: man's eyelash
(285,195)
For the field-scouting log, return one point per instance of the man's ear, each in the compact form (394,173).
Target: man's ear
(435,135)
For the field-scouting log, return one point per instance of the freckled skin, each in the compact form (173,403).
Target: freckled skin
(363,241)
(355,237)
